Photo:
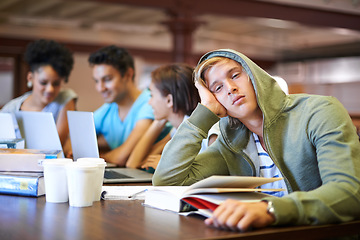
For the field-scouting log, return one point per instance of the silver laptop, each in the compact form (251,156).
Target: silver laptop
(82,134)
(84,144)
(7,127)
(39,130)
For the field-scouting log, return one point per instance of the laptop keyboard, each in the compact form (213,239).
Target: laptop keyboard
(109,174)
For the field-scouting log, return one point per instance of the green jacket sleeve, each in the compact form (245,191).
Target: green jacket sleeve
(180,163)
(338,159)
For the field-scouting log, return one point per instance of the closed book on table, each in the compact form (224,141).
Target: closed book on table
(22,183)
(204,196)
(28,160)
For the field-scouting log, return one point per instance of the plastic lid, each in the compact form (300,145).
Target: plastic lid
(56,161)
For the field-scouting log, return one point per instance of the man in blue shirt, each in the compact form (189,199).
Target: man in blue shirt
(126,114)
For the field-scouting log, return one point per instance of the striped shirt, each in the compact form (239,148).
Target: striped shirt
(269,170)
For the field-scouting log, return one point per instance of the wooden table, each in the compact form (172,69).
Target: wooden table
(32,218)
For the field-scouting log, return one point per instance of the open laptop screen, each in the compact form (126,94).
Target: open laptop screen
(39,130)
(7,127)
(82,134)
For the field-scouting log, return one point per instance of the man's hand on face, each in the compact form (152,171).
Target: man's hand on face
(209,100)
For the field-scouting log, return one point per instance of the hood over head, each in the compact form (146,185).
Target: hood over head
(270,97)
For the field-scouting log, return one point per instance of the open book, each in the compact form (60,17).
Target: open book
(207,194)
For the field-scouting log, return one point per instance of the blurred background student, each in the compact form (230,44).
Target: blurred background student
(50,66)
(173,98)
(126,115)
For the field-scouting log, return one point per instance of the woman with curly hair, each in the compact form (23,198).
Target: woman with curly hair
(50,66)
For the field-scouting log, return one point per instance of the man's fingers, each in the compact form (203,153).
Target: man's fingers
(199,84)
(235,215)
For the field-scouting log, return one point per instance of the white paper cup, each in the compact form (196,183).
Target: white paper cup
(99,178)
(56,187)
(81,179)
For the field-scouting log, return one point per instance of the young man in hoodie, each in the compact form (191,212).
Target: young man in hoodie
(307,140)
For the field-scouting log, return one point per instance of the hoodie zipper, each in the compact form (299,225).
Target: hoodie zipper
(250,162)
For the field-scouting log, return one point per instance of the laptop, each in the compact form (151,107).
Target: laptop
(7,127)
(84,144)
(39,130)
(82,134)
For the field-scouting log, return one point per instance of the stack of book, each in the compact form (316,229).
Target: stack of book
(21,171)
(22,183)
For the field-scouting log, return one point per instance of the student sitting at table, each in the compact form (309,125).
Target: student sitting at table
(307,140)
(50,66)
(173,98)
(126,114)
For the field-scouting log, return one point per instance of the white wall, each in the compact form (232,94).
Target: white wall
(82,83)
(346,93)
(338,77)
(6,89)
(6,81)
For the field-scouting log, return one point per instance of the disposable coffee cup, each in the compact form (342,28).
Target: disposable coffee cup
(81,183)
(99,178)
(56,187)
